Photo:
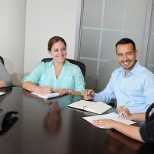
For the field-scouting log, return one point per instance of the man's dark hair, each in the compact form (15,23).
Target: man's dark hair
(126,41)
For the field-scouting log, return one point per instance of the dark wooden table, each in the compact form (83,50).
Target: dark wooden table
(51,127)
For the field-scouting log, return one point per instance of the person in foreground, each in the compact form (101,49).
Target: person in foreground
(144,133)
(131,82)
(58,75)
(5,78)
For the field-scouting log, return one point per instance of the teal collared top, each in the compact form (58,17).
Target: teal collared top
(71,76)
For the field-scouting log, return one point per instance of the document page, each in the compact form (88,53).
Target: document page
(51,95)
(113,116)
(2,93)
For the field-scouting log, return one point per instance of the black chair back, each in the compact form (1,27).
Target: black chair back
(80,64)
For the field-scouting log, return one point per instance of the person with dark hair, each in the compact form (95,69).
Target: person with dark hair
(5,78)
(131,82)
(58,75)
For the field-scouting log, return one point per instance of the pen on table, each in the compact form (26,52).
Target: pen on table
(124,108)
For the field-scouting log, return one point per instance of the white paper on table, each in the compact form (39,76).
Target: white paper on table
(113,116)
(2,93)
(51,95)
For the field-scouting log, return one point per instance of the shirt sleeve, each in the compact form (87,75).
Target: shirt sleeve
(149,89)
(147,131)
(5,76)
(35,75)
(107,95)
(79,80)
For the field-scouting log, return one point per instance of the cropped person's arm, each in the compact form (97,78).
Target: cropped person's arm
(88,94)
(76,93)
(108,94)
(2,83)
(127,115)
(5,78)
(31,87)
(130,131)
(138,117)
(148,88)
(30,82)
(40,90)
(68,91)
(127,141)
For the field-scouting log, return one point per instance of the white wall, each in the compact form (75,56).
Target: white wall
(26,27)
(12,35)
(45,19)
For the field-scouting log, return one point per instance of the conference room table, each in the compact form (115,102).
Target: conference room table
(51,127)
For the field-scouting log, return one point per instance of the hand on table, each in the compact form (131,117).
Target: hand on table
(105,123)
(46,90)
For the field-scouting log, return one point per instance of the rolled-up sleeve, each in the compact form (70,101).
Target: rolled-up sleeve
(35,75)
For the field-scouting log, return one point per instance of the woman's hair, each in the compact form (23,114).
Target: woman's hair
(54,40)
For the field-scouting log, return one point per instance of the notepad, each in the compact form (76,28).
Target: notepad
(90,106)
(47,96)
(113,116)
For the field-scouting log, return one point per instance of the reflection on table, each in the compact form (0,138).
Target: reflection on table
(50,126)
(53,119)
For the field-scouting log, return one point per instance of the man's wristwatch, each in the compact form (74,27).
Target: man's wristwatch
(70,91)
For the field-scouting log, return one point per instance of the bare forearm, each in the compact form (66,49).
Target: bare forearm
(138,117)
(5,82)
(129,142)
(130,131)
(127,115)
(68,91)
(76,93)
(31,87)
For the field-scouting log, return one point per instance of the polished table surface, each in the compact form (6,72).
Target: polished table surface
(44,127)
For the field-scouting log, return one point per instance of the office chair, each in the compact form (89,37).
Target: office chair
(2,60)
(80,64)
